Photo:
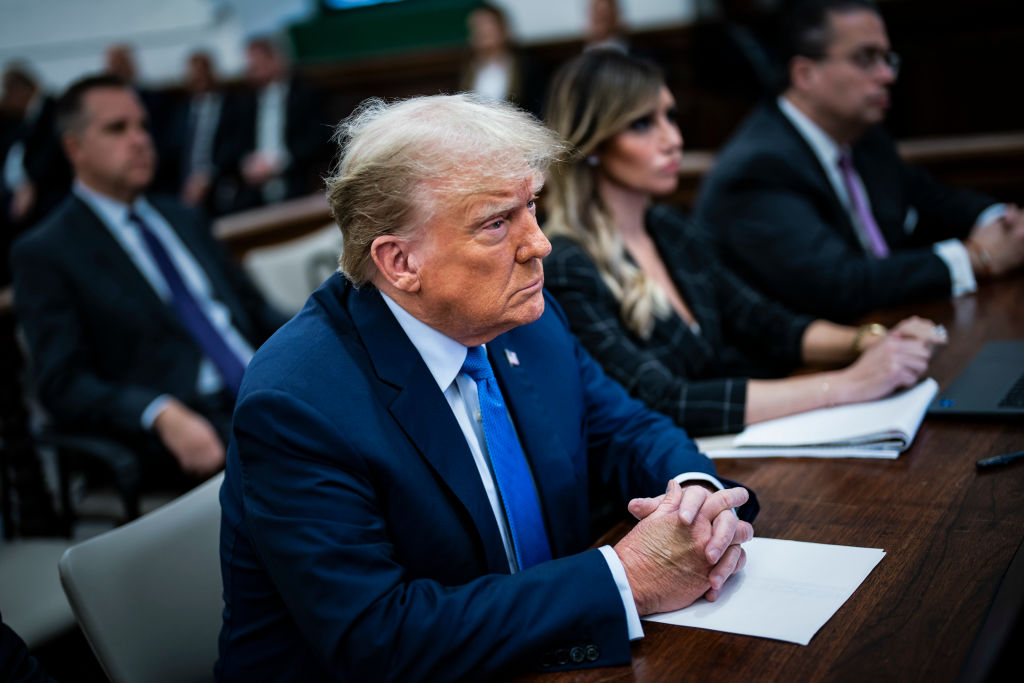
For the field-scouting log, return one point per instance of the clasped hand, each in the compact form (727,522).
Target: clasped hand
(686,545)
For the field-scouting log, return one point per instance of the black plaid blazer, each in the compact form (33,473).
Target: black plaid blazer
(698,379)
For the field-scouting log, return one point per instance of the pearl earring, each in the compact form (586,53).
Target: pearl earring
(592,160)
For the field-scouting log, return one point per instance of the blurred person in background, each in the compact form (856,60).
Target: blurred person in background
(35,174)
(138,325)
(604,26)
(194,132)
(277,133)
(495,69)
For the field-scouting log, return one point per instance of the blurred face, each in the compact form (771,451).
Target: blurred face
(603,19)
(645,157)
(263,66)
(199,75)
(849,87)
(479,264)
(486,34)
(120,63)
(111,150)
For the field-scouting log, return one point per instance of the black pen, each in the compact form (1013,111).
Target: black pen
(999,460)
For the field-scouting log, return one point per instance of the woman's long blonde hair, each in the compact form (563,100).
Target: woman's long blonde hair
(593,98)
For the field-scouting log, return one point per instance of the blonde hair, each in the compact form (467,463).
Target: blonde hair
(401,162)
(592,99)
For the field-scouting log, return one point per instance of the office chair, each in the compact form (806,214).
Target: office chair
(77,451)
(148,594)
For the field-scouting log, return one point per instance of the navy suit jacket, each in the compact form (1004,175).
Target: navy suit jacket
(103,343)
(780,225)
(357,541)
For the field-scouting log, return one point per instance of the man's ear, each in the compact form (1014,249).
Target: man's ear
(393,257)
(69,141)
(801,72)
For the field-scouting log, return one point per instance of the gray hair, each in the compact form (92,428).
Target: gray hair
(401,162)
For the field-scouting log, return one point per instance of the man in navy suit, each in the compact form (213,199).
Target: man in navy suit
(811,203)
(391,511)
(110,349)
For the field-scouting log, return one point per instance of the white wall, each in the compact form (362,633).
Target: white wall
(64,39)
(536,21)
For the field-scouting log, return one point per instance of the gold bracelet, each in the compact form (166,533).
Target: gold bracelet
(873,329)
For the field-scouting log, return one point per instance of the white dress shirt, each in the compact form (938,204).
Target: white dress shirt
(114,216)
(952,252)
(444,357)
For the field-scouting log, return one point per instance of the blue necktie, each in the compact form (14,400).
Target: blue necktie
(228,364)
(512,474)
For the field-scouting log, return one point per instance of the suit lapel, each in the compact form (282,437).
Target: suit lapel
(99,247)
(818,177)
(549,461)
(422,412)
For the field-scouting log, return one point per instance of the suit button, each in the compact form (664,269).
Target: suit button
(577,655)
(593,653)
(563,656)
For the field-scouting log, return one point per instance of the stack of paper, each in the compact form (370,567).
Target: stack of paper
(876,429)
(787,591)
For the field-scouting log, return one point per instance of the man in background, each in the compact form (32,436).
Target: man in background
(277,132)
(811,202)
(187,160)
(34,175)
(137,324)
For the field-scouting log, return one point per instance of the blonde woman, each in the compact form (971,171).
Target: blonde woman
(649,299)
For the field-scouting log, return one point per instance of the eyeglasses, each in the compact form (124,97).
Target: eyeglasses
(867,59)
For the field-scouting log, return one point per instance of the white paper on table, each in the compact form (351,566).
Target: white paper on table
(786,591)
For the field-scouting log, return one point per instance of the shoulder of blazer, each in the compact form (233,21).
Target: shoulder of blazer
(66,223)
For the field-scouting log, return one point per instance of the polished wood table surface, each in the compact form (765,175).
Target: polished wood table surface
(950,534)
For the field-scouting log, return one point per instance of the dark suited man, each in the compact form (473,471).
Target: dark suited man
(277,131)
(34,175)
(406,493)
(136,321)
(187,161)
(811,202)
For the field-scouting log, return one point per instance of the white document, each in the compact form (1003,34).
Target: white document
(786,591)
(875,429)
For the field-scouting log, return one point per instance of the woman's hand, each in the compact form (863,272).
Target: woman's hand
(921,329)
(898,360)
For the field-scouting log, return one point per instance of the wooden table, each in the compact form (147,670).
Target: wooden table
(949,532)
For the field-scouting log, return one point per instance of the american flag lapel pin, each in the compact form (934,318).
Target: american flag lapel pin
(513,359)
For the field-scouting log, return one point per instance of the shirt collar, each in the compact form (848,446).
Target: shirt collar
(443,355)
(113,212)
(825,148)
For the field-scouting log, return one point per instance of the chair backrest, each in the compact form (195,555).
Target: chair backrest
(287,273)
(148,594)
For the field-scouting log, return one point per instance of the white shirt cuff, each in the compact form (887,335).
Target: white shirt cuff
(990,214)
(958,261)
(633,625)
(699,476)
(153,409)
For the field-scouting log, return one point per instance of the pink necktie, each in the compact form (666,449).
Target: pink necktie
(878,246)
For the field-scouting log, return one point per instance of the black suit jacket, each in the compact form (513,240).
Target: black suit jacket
(306,136)
(103,344)
(699,380)
(779,223)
